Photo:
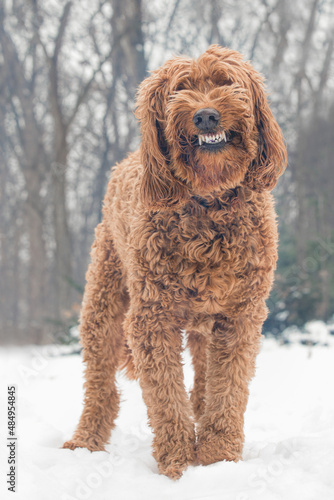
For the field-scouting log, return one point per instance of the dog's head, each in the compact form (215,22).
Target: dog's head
(206,127)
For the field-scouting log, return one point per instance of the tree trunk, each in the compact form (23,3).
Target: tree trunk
(128,59)
(63,247)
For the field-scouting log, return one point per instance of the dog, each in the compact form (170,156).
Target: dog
(188,242)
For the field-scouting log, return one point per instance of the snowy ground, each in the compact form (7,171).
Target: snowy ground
(288,453)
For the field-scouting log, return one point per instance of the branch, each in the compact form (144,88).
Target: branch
(308,34)
(301,73)
(171,20)
(284,27)
(86,88)
(264,21)
(16,73)
(324,75)
(62,26)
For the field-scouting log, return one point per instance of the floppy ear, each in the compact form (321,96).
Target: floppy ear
(271,160)
(159,186)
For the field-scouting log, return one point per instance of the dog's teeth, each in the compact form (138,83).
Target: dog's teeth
(212,139)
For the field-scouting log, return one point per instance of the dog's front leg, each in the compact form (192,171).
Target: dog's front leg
(232,350)
(156,343)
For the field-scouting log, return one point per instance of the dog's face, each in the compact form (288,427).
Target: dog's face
(210,128)
(206,127)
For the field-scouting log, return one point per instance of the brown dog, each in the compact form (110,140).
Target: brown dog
(188,242)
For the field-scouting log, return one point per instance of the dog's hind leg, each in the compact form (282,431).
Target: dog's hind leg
(104,304)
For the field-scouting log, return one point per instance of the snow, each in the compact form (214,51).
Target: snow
(315,332)
(288,453)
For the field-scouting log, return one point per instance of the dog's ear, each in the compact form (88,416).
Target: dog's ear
(159,186)
(271,159)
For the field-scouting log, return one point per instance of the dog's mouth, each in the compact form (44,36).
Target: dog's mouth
(213,141)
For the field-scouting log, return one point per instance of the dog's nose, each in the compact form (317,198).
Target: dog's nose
(206,119)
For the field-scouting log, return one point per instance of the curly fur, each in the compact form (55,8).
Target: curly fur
(188,242)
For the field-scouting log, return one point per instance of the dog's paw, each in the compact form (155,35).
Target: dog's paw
(90,444)
(214,448)
(174,458)
(173,470)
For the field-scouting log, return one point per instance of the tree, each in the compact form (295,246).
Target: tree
(47,102)
(68,76)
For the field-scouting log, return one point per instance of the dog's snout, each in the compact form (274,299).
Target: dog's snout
(206,119)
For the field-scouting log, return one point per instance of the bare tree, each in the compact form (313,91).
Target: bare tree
(46,105)
(68,76)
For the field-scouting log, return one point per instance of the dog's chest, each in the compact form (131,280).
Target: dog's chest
(209,254)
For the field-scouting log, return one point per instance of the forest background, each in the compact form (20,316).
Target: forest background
(68,77)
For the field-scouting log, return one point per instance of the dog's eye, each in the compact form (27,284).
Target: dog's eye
(184,84)
(222,81)
(181,86)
